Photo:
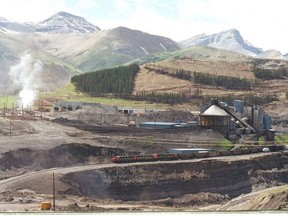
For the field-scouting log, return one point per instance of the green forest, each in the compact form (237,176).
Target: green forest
(223,81)
(117,81)
(269,74)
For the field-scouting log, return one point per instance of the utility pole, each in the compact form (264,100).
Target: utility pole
(10,127)
(155,120)
(4,110)
(53,192)
(22,112)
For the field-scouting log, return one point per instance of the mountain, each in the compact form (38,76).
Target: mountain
(107,48)
(63,22)
(201,53)
(61,53)
(286,55)
(7,25)
(229,40)
(271,54)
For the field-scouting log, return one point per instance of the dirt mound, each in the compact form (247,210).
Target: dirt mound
(76,208)
(190,200)
(20,196)
(270,199)
(15,127)
(170,116)
(102,115)
(60,156)
(67,122)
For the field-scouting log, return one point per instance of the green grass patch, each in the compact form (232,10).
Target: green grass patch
(226,144)
(281,139)
(8,101)
(69,93)
(64,93)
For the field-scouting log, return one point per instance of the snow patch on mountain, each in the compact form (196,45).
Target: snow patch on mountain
(147,53)
(229,40)
(163,47)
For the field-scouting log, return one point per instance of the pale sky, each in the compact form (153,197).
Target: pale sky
(261,22)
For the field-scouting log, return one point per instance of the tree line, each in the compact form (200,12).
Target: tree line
(223,81)
(205,78)
(247,98)
(162,97)
(269,74)
(189,97)
(176,73)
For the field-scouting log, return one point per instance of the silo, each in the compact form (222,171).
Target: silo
(239,106)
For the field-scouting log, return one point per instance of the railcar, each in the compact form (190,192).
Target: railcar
(194,155)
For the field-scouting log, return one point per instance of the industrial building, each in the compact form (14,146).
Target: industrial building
(236,121)
(72,105)
(216,118)
(129,110)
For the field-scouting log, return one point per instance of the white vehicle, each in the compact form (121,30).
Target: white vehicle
(266,150)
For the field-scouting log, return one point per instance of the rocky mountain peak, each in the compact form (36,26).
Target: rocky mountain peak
(63,22)
(230,40)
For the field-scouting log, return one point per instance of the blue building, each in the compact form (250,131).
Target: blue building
(166,125)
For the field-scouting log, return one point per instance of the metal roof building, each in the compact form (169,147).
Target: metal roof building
(216,118)
(214,111)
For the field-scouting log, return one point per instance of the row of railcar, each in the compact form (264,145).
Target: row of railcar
(144,158)
(194,155)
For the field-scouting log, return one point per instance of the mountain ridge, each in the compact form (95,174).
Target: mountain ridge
(230,40)
(64,22)
(61,22)
(106,48)
(64,52)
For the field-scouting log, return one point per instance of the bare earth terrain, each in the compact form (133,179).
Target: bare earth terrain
(149,80)
(78,146)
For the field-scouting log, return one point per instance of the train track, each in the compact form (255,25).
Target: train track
(195,155)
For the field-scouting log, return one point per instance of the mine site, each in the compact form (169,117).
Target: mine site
(97,158)
(116,120)
(67,153)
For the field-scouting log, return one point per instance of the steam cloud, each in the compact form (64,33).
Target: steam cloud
(27,75)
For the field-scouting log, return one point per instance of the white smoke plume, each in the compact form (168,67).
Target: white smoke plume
(27,75)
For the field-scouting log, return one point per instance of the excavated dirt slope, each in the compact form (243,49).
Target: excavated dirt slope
(231,176)
(193,184)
